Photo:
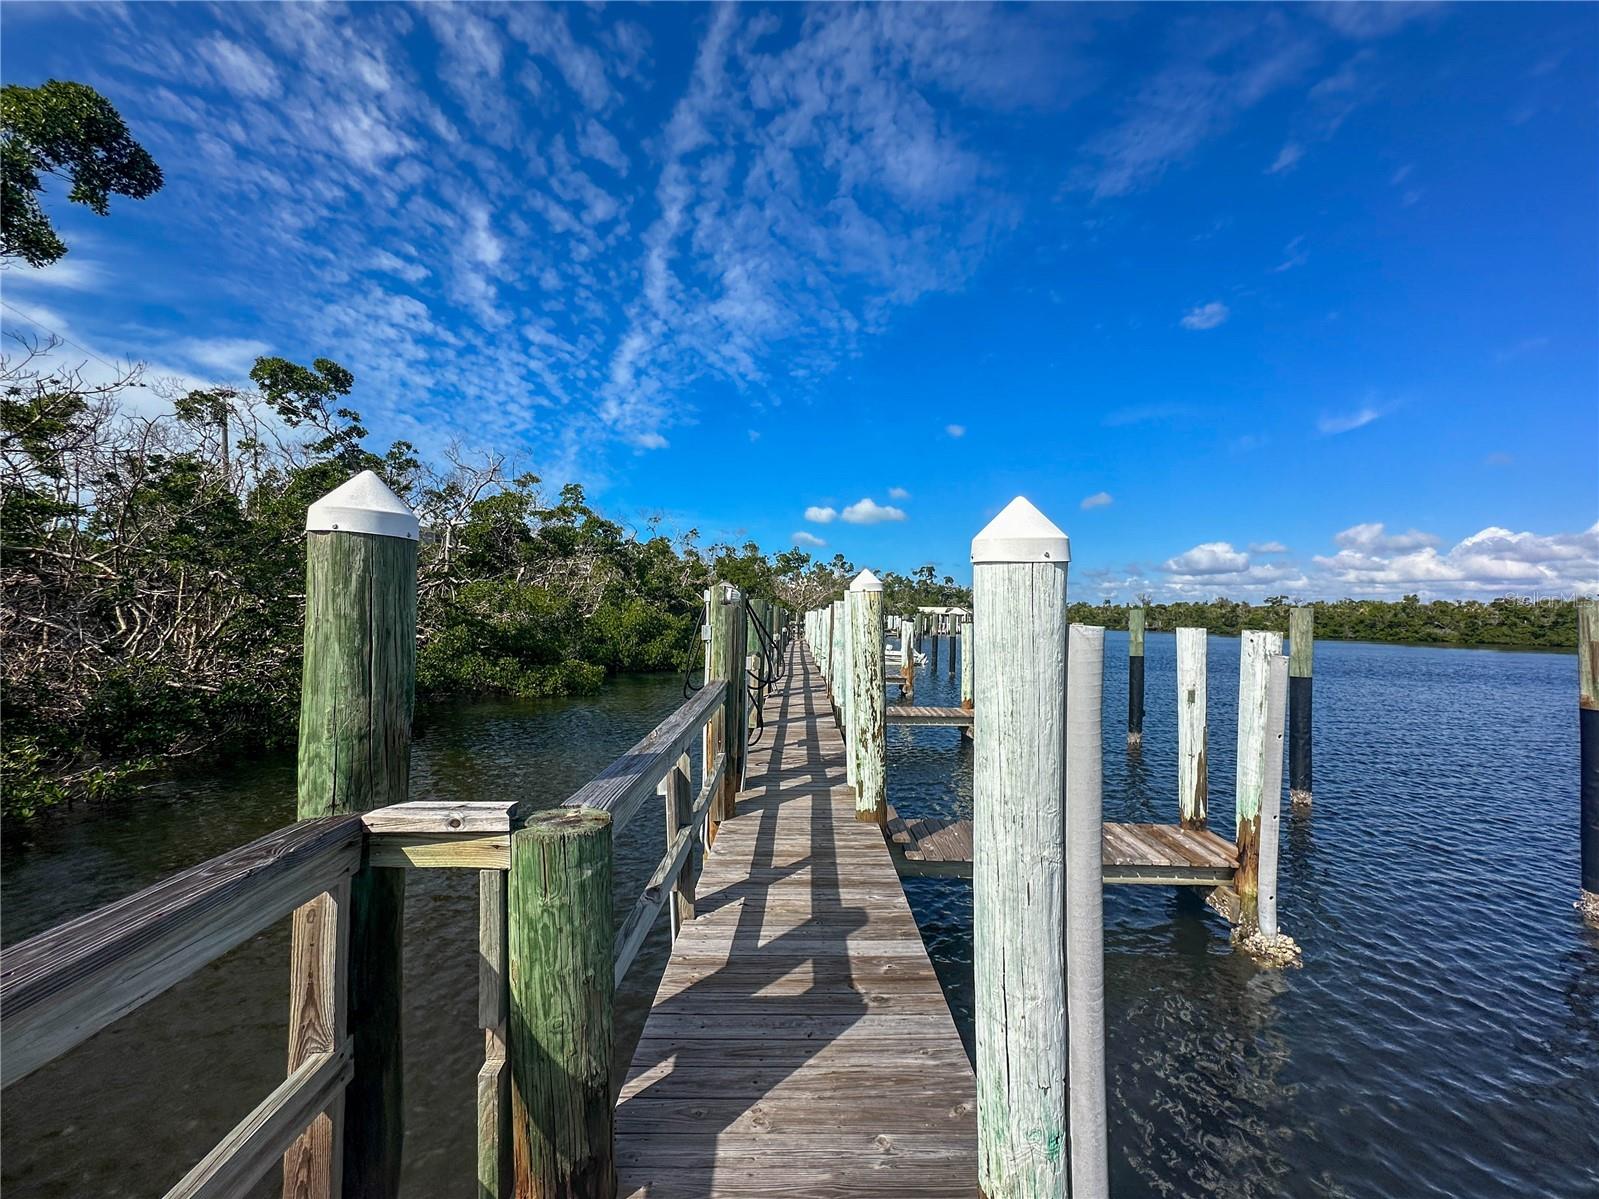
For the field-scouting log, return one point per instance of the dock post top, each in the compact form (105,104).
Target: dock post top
(363,504)
(866,581)
(1021,533)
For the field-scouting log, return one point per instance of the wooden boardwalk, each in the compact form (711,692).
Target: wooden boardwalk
(800,1044)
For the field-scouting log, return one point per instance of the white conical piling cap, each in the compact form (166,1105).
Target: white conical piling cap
(363,505)
(866,581)
(1021,533)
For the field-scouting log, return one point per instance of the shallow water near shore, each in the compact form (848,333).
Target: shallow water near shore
(1442,1037)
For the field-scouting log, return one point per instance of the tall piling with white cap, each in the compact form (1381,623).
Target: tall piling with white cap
(867,743)
(356,697)
(1019,565)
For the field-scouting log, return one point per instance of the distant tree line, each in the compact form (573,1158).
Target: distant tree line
(1499,623)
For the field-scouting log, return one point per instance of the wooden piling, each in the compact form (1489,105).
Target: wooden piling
(835,650)
(356,696)
(1271,795)
(966,663)
(1193,779)
(868,740)
(907,649)
(1085,920)
(1135,677)
(1588,750)
(1301,646)
(1019,565)
(562,991)
(1253,665)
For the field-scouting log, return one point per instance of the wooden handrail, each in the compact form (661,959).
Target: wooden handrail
(61,987)
(626,783)
(658,889)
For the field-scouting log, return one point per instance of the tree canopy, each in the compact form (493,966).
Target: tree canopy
(72,132)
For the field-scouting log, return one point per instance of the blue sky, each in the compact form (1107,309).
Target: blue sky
(1250,300)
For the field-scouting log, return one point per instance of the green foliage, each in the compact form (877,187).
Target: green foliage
(154,576)
(71,131)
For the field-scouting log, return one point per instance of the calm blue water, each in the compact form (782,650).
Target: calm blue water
(1441,1039)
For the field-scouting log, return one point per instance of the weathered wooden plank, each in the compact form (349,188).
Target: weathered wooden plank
(494,1177)
(62,986)
(441,818)
(319,1001)
(626,783)
(258,1142)
(425,851)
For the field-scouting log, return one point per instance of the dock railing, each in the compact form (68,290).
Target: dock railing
(549,957)
(548,965)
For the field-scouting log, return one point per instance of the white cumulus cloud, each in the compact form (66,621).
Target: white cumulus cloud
(809,540)
(898,493)
(1210,558)
(1100,499)
(868,511)
(819,515)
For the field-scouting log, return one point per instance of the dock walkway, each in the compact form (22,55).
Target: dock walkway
(800,1043)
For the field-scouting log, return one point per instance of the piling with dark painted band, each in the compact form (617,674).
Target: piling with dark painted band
(1588,751)
(1302,640)
(1135,677)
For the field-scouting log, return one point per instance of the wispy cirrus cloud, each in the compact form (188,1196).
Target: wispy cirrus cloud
(955,431)
(1100,499)
(1330,424)
(1206,316)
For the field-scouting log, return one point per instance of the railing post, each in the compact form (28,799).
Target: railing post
(846,692)
(1085,916)
(1019,565)
(1193,781)
(562,993)
(1588,754)
(1301,648)
(679,802)
(356,697)
(1253,663)
(724,660)
(494,1177)
(1135,677)
(868,737)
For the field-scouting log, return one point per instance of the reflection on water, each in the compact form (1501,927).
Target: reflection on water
(1443,1035)
(1441,1039)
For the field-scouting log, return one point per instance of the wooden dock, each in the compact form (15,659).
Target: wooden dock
(926,717)
(1161,854)
(800,1043)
